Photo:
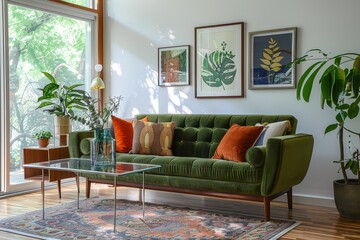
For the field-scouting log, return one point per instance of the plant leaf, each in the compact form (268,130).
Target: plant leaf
(326,83)
(44,104)
(337,61)
(356,77)
(339,85)
(331,127)
(74,86)
(344,106)
(309,83)
(50,77)
(353,110)
(303,78)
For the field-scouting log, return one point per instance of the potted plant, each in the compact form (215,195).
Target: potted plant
(61,100)
(43,137)
(103,145)
(339,80)
(94,118)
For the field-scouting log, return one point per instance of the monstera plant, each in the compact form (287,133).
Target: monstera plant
(339,80)
(219,68)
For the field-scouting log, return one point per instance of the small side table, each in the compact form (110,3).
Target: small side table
(38,154)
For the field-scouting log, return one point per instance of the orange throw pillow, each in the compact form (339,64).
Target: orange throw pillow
(237,140)
(123,132)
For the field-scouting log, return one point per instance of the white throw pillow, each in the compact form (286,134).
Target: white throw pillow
(272,130)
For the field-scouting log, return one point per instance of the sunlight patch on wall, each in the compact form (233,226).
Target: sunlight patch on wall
(151,86)
(134,112)
(171,35)
(174,96)
(176,101)
(186,110)
(115,67)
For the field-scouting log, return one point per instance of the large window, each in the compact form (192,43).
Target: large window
(41,39)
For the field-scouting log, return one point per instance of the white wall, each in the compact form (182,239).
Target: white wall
(134,29)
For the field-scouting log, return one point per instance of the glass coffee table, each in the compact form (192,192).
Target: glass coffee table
(80,165)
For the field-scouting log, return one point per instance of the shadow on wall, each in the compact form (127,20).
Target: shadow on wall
(134,74)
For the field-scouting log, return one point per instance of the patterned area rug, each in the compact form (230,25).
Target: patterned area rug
(94,220)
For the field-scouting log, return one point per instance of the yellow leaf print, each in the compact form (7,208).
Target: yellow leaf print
(266,56)
(278,59)
(275,65)
(268,51)
(265,67)
(266,62)
(272,57)
(276,54)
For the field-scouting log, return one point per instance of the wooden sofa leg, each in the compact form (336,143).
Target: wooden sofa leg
(289,199)
(88,187)
(266,208)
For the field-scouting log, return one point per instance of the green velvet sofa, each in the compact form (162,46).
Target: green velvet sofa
(269,172)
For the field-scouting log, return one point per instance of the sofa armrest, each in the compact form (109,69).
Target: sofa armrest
(287,161)
(74,142)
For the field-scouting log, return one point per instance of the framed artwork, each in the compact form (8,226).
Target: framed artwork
(174,65)
(219,61)
(269,53)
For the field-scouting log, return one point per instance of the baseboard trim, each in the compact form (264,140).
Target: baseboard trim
(309,200)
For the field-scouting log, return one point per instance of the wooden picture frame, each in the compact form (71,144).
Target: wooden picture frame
(174,66)
(269,53)
(219,61)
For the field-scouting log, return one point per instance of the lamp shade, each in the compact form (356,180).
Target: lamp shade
(97,83)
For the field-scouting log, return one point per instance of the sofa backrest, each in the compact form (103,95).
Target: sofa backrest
(198,135)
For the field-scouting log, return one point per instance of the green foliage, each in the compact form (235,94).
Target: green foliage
(60,100)
(339,81)
(42,134)
(219,69)
(94,118)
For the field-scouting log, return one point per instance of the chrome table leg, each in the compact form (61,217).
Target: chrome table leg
(78,189)
(143,195)
(115,183)
(43,192)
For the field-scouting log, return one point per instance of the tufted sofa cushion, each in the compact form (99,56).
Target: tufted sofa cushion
(198,135)
(198,167)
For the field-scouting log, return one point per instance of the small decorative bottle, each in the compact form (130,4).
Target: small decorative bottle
(109,148)
(95,146)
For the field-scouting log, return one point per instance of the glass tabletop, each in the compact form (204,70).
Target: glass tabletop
(87,166)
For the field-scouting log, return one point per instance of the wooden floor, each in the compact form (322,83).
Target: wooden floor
(317,222)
